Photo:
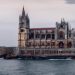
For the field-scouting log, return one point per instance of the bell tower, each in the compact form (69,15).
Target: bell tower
(24,26)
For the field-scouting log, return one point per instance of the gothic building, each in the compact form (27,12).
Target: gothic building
(58,37)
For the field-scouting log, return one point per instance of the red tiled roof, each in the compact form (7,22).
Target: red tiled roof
(42,28)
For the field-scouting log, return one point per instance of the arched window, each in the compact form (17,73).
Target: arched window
(22,30)
(61,45)
(69,44)
(52,44)
(31,35)
(37,36)
(48,36)
(61,26)
(43,36)
(61,35)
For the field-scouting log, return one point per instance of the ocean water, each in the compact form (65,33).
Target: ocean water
(37,67)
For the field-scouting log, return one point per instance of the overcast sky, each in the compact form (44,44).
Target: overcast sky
(42,13)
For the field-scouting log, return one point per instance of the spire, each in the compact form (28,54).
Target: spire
(62,20)
(23,12)
(27,19)
(27,16)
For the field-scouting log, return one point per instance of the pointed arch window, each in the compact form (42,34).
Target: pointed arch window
(61,35)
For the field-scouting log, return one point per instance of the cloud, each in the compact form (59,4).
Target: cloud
(70,1)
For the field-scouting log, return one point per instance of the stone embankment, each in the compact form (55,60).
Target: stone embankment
(8,52)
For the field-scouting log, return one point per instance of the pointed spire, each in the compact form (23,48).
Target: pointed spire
(23,12)
(27,18)
(61,20)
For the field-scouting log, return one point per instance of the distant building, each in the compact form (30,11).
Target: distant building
(59,37)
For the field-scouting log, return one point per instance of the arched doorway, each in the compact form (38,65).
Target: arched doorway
(61,45)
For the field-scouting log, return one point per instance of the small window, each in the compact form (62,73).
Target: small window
(61,35)
(69,34)
(53,36)
(43,36)
(53,44)
(31,36)
(48,36)
(22,30)
(61,26)
(37,36)
(69,44)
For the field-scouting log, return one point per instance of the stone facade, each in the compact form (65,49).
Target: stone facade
(58,37)
(73,36)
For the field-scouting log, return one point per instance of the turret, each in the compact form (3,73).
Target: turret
(23,12)
(24,26)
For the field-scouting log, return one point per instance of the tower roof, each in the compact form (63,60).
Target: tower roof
(23,12)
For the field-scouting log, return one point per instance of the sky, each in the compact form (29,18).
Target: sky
(42,13)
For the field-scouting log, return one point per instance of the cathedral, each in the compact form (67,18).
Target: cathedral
(57,37)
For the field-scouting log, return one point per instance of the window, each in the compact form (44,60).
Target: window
(61,35)
(61,44)
(31,35)
(22,30)
(48,36)
(69,44)
(37,36)
(69,34)
(53,36)
(61,26)
(53,44)
(43,36)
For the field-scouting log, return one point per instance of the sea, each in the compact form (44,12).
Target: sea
(37,67)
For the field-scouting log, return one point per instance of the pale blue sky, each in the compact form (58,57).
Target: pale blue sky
(42,13)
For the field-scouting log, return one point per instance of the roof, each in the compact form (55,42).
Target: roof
(43,28)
